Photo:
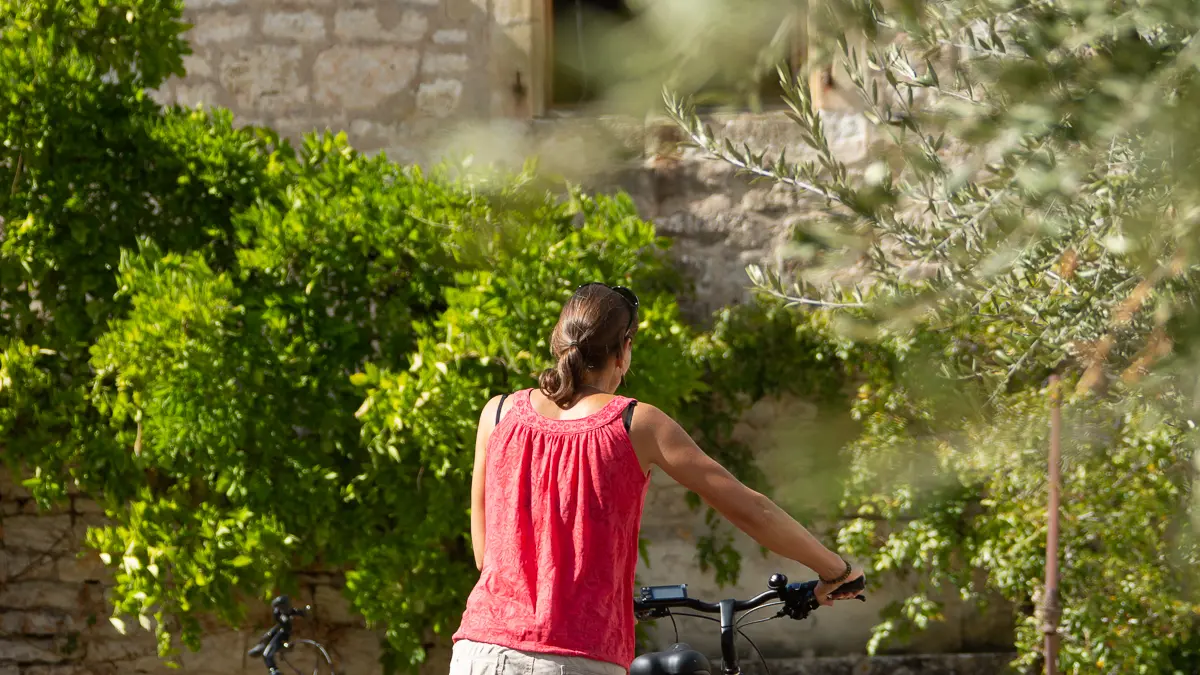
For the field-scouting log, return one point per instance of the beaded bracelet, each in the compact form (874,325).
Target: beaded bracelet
(845,575)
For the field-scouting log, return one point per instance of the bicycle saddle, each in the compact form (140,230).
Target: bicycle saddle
(680,659)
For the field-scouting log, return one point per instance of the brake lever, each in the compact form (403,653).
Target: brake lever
(656,613)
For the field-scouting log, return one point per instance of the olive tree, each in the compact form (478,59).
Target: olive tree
(1028,207)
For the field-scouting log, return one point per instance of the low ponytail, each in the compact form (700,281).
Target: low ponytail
(560,382)
(592,328)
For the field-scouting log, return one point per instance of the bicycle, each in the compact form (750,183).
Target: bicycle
(277,641)
(796,601)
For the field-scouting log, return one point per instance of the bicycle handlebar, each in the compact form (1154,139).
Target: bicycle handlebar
(798,596)
(798,600)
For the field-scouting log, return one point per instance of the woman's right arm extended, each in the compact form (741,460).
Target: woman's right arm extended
(660,441)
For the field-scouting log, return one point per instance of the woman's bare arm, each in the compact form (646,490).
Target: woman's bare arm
(487,422)
(660,441)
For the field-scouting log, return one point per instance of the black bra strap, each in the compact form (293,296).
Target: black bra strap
(628,416)
(500,407)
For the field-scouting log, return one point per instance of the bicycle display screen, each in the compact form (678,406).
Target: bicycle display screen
(652,593)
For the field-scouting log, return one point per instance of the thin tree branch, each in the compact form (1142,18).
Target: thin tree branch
(811,302)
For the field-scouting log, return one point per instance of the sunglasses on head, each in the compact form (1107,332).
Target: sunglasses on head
(629,296)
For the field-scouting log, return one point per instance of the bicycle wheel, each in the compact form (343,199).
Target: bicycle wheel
(306,657)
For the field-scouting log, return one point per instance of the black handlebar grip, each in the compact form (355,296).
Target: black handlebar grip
(857,586)
(852,586)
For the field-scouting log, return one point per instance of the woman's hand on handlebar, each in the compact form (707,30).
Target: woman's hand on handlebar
(827,594)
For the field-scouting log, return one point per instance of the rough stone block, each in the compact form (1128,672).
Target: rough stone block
(26,566)
(356,651)
(264,78)
(368,135)
(450,36)
(40,623)
(437,64)
(331,606)
(666,507)
(437,658)
(29,650)
(304,26)
(219,27)
(197,66)
(11,488)
(460,10)
(193,5)
(9,669)
(512,11)
(164,95)
(361,78)
(137,644)
(30,507)
(197,95)
(83,505)
(154,665)
(774,132)
(221,654)
(38,533)
(83,567)
(439,98)
(71,669)
(296,127)
(369,24)
(403,154)
(312,577)
(39,594)
(83,523)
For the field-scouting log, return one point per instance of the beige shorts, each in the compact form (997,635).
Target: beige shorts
(477,658)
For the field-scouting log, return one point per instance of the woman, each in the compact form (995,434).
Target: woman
(556,502)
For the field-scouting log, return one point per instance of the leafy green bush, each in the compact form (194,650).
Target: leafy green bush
(370,296)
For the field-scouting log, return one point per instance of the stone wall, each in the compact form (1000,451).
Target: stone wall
(387,71)
(54,616)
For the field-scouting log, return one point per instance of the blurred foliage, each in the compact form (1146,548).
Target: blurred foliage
(618,55)
(266,359)
(1029,205)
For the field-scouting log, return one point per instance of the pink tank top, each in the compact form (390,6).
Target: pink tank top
(563,508)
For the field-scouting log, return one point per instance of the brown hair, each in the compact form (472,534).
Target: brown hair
(592,327)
